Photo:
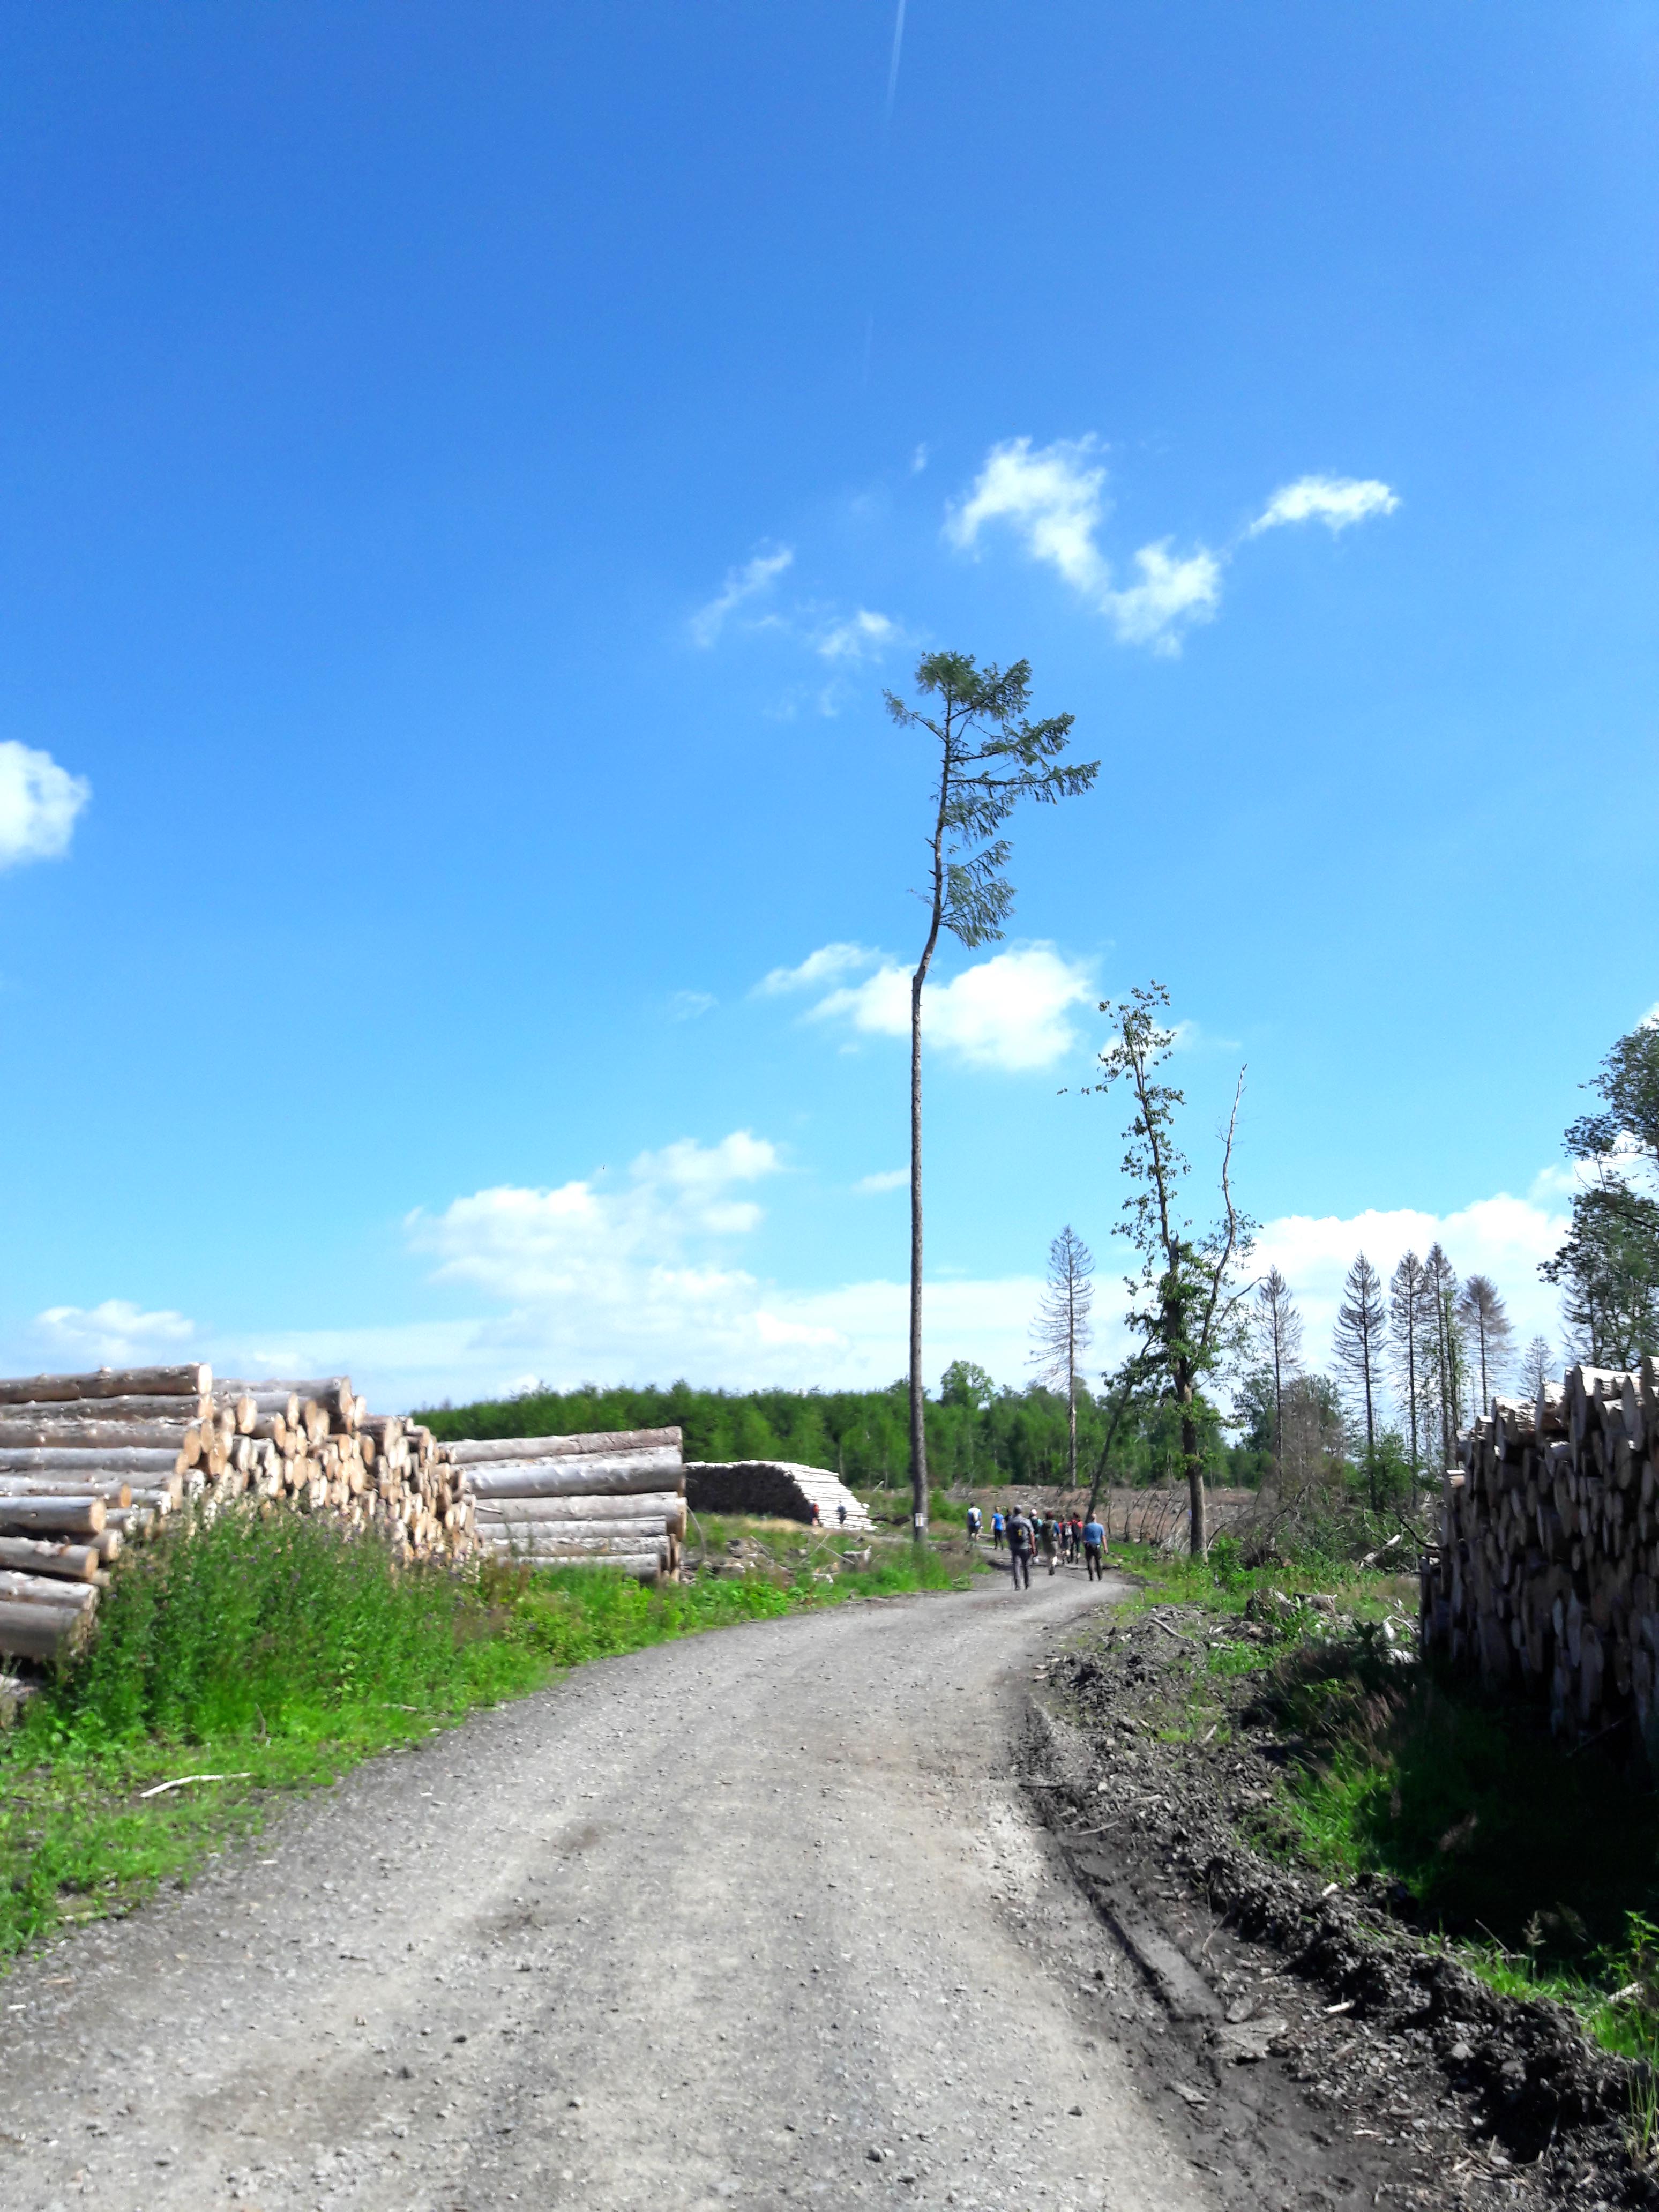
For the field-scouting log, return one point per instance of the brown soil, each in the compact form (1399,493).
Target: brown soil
(1326,2053)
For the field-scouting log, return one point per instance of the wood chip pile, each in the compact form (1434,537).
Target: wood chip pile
(783,1489)
(1547,1573)
(88,1462)
(615,1500)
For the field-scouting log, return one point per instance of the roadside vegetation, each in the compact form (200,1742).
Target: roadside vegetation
(274,1655)
(1538,1866)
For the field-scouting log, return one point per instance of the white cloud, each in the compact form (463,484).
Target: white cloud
(862,636)
(741,584)
(889,1179)
(1337,502)
(1055,500)
(39,804)
(1503,1237)
(919,460)
(686,1006)
(116,1334)
(1171,592)
(823,966)
(1009,1012)
(528,1243)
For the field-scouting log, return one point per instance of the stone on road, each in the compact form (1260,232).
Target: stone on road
(759,1916)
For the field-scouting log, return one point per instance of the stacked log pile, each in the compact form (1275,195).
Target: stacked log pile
(1547,1572)
(783,1489)
(88,1462)
(615,1500)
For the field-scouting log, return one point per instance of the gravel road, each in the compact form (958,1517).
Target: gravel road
(757,1918)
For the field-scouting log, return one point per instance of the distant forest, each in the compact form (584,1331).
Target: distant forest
(976,1433)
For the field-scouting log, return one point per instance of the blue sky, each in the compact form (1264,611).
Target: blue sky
(469,475)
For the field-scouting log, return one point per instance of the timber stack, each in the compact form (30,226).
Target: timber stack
(1547,1573)
(90,1462)
(610,1500)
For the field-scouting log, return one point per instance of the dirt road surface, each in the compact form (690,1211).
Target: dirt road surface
(756,1919)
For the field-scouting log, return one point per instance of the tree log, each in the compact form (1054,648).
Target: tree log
(645,1566)
(52,1413)
(66,1459)
(101,1435)
(475,1451)
(40,1631)
(597,1477)
(114,1489)
(108,1382)
(45,1589)
(641,1529)
(26,1555)
(67,1516)
(626,1506)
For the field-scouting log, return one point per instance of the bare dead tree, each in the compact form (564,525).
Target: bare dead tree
(1411,1313)
(1276,1328)
(1490,1330)
(1061,1331)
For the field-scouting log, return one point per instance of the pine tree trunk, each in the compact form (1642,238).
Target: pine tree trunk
(918,1391)
(1189,1452)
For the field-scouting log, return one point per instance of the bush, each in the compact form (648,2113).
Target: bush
(247,1623)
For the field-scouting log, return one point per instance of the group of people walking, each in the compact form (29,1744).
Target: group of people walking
(1058,1539)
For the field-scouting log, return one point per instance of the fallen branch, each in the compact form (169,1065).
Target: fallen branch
(161,1788)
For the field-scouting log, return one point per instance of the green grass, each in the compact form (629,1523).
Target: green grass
(278,1652)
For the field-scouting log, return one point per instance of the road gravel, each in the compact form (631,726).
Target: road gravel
(760,1918)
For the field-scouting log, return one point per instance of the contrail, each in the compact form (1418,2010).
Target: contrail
(893,66)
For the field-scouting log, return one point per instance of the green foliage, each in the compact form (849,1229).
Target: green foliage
(247,1623)
(1607,1270)
(976,1433)
(992,756)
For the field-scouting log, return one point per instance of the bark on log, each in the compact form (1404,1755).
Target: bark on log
(191,1381)
(40,1631)
(641,1529)
(625,1506)
(52,1413)
(594,1477)
(645,1566)
(114,1489)
(477,1451)
(66,1516)
(28,1555)
(522,1543)
(46,1589)
(50,1459)
(101,1436)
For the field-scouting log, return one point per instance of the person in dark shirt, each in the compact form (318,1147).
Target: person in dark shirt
(1019,1548)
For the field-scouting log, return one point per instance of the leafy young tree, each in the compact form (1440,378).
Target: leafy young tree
(1411,1313)
(1123,1389)
(1186,1308)
(1607,1273)
(1536,1363)
(1487,1323)
(1276,1327)
(1607,1270)
(1061,1331)
(990,757)
(1361,1331)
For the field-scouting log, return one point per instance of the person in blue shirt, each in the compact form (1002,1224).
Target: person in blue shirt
(996,1530)
(1094,1549)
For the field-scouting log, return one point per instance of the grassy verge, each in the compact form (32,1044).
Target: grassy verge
(277,1654)
(1540,1867)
